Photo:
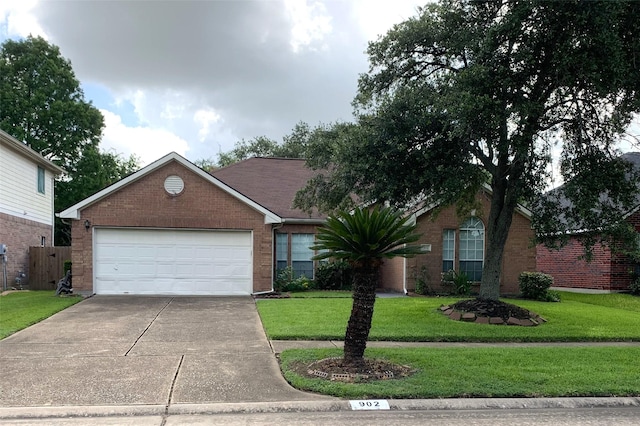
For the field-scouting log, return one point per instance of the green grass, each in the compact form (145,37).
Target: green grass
(486,372)
(614,300)
(321,294)
(21,309)
(577,318)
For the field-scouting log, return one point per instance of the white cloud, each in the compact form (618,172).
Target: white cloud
(376,17)
(18,19)
(204,118)
(148,144)
(310,23)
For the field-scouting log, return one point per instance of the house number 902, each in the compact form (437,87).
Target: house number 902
(370,404)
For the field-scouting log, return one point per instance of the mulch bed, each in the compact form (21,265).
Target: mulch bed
(487,311)
(334,369)
(272,295)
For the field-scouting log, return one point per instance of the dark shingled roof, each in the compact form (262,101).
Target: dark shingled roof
(270,182)
(558,193)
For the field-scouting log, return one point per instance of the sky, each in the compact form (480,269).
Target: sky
(195,77)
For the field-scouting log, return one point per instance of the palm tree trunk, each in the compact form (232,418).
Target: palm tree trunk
(364,296)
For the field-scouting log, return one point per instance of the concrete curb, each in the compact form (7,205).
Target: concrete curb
(13,413)
(63,411)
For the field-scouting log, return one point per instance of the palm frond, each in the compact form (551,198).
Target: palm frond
(367,233)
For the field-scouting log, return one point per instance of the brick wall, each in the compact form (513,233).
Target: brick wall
(145,203)
(568,269)
(606,271)
(19,234)
(519,253)
(392,275)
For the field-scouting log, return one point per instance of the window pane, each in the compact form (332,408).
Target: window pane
(40,180)
(301,254)
(300,244)
(472,248)
(448,249)
(472,269)
(281,250)
(447,265)
(302,268)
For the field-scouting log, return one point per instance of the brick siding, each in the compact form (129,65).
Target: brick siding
(19,234)
(519,252)
(145,203)
(606,271)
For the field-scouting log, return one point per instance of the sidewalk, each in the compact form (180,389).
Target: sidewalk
(280,345)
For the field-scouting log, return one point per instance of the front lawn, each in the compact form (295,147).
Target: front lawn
(576,318)
(501,371)
(485,372)
(23,308)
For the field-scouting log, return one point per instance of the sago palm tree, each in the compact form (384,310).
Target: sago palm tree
(364,238)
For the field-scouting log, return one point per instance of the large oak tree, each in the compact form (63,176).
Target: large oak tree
(469,93)
(43,105)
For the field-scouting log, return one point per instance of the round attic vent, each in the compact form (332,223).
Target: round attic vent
(174,185)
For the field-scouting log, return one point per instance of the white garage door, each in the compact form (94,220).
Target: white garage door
(181,262)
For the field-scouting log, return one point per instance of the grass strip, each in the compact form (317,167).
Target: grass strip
(418,319)
(485,372)
(24,308)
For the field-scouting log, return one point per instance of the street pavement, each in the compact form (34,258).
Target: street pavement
(155,360)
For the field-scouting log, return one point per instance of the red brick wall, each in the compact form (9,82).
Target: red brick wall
(18,235)
(519,252)
(145,203)
(392,275)
(606,271)
(568,269)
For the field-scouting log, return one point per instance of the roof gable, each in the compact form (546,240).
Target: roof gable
(24,149)
(73,212)
(564,202)
(271,182)
(522,210)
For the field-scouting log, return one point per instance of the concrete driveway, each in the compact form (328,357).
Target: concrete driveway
(128,350)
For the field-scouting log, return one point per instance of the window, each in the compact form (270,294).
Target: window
(41,180)
(472,248)
(448,249)
(301,254)
(282,249)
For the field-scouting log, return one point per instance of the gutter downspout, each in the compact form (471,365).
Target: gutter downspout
(404,276)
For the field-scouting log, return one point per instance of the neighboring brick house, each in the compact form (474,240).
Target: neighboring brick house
(459,243)
(605,272)
(26,205)
(172,228)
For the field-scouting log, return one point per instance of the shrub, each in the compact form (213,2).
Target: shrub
(535,286)
(286,281)
(422,282)
(336,275)
(635,287)
(67,266)
(458,281)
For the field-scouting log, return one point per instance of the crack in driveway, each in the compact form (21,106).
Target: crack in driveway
(148,327)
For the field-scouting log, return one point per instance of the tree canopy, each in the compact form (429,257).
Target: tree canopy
(293,145)
(469,93)
(43,105)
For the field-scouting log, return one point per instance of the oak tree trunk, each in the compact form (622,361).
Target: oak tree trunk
(503,204)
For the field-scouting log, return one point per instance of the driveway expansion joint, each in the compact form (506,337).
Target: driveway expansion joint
(173,384)
(148,327)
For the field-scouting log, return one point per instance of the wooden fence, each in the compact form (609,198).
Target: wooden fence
(46,266)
